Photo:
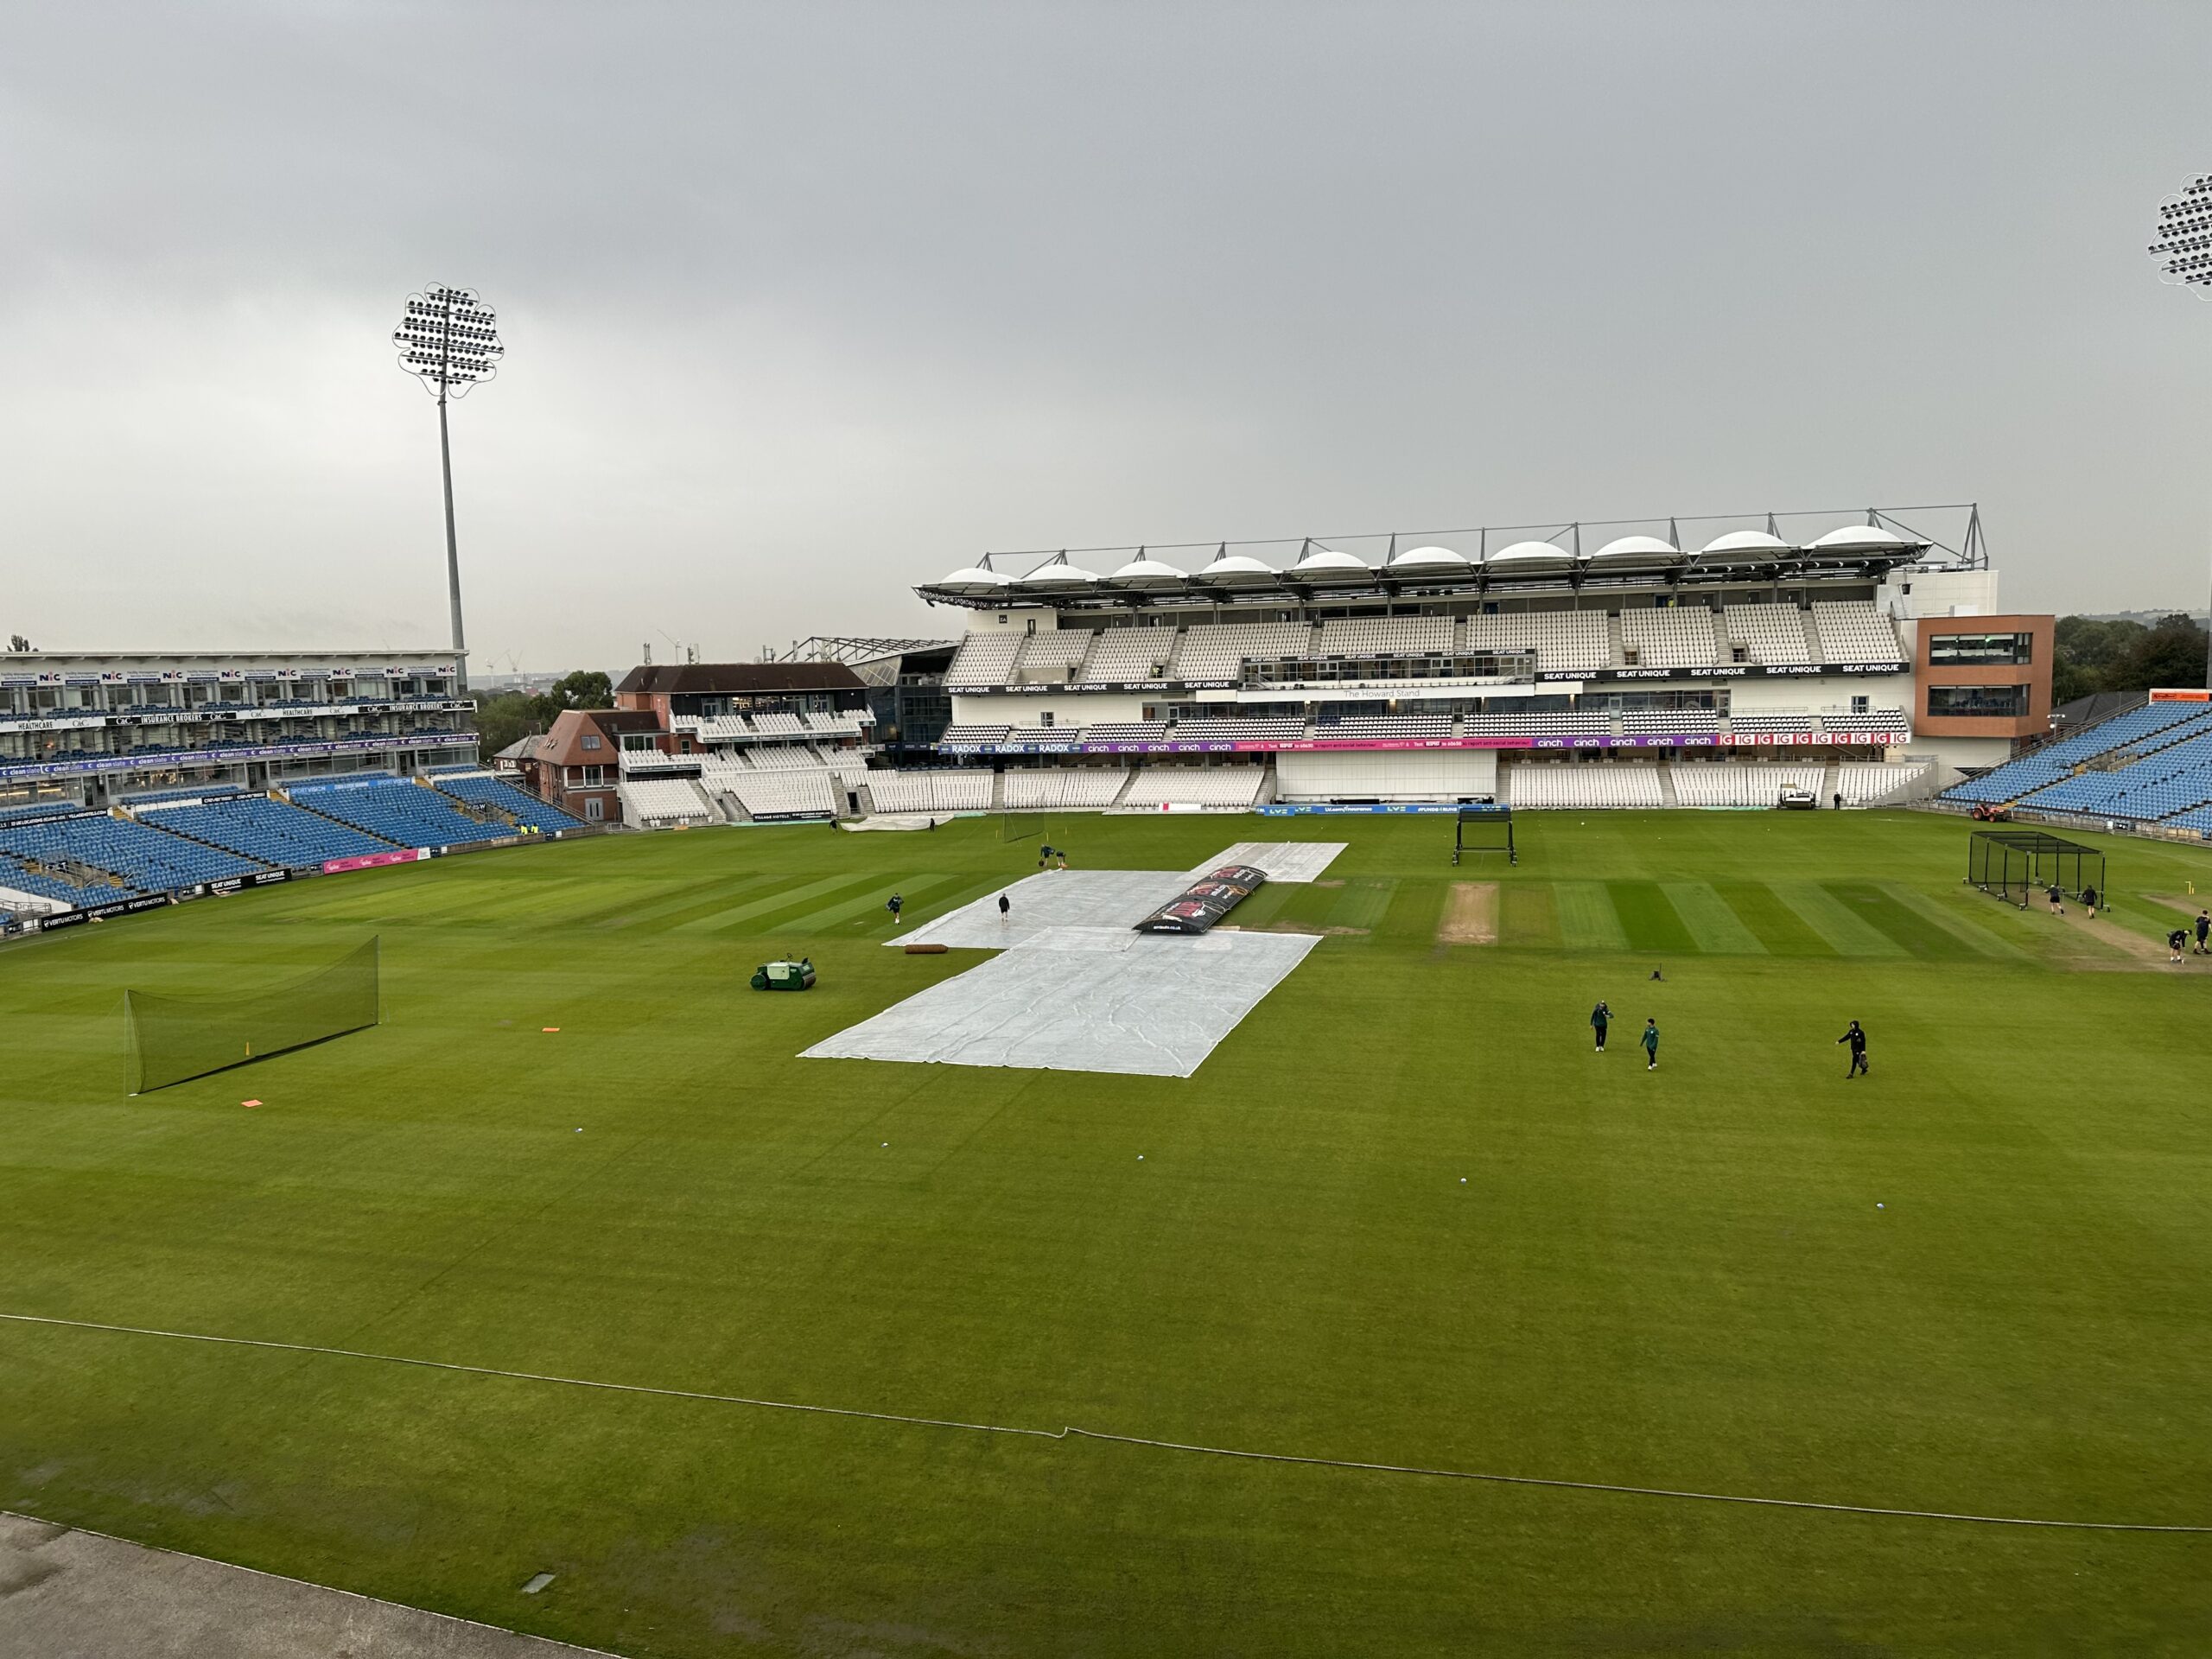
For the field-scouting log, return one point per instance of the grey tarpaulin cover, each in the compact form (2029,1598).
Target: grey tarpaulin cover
(1084,999)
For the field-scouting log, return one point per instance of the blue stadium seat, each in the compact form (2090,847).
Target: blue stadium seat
(273,831)
(407,814)
(2017,779)
(526,809)
(139,855)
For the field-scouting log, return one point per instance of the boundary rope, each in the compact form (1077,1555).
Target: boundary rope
(1071,1431)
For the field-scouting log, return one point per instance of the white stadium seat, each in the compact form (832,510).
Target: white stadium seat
(1739,783)
(1221,786)
(1852,631)
(1671,636)
(1565,785)
(1772,634)
(1564,641)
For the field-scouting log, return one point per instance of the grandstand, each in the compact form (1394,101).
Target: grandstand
(1130,656)
(940,794)
(1054,789)
(100,727)
(525,811)
(1771,635)
(2130,730)
(403,814)
(1568,785)
(1824,650)
(1732,785)
(1670,637)
(265,829)
(663,803)
(1163,788)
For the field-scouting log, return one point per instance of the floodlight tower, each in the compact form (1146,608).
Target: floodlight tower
(2183,252)
(449,339)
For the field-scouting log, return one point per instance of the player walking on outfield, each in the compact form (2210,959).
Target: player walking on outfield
(2058,899)
(1005,905)
(2204,929)
(1651,1045)
(1856,1039)
(1600,1017)
(2089,902)
(894,905)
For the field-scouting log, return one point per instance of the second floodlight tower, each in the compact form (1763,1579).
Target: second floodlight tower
(449,339)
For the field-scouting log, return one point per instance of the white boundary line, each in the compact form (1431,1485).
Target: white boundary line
(1072,1432)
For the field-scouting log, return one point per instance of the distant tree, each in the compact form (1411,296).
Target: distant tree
(502,718)
(2172,653)
(585,689)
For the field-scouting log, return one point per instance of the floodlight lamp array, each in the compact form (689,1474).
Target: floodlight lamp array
(2183,249)
(449,338)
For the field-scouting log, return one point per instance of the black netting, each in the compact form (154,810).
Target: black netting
(173,1038)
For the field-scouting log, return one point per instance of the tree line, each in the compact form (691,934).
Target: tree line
(2098,654)
(508,716)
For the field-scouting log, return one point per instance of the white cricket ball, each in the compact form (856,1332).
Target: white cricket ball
(1881,1206)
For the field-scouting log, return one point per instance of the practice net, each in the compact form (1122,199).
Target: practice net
(173,1038)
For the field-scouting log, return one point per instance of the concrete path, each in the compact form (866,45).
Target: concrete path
(65,1594)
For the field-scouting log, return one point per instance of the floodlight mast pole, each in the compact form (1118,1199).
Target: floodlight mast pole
(453,546)
(2183,252)
(448,339)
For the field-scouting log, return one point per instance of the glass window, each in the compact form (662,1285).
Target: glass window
(591,740)
(1964,648)
(1978,701)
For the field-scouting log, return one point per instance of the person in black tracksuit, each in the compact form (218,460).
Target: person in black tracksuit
(894,906)
(2204,929)
(1856,1039)
(1600,1017)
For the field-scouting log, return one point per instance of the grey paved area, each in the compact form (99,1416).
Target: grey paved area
(65,1594)
(1084,999)
(1283,861)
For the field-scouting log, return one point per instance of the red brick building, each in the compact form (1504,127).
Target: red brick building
(577,764)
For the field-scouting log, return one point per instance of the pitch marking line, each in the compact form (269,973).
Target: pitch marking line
(1071,1431)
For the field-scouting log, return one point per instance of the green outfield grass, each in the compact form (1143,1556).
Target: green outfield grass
(1402,1215)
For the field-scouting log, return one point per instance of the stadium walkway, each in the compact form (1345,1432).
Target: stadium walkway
(65,1594)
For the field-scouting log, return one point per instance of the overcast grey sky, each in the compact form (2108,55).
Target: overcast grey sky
(805,303)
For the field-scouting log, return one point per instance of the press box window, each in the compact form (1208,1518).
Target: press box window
(1977,701)
(1959,650)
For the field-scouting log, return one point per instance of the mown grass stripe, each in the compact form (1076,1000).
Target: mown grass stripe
(798,908)
(1974,936)
(1587,921)
(1529,913)
(730,919)
(1649,920)
(1712,924)
(832,916)
(1846,933)
(1919,938)
(1777,927)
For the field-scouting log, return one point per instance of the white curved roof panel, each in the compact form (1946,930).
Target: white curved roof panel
(1147,573)
(1326,564)
(1431,558)
(1235,567)
(1862,535)
(975,578)
(1058,574)
(1637,546)
(1746,541)
(1530,553)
